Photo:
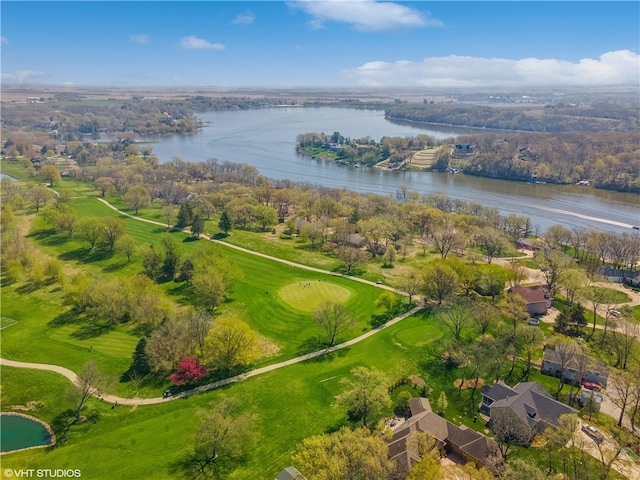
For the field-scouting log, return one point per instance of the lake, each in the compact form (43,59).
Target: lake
(18,432)
(266,139)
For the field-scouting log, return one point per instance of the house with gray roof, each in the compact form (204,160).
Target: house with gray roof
(468,444)
(577,368)
(619,275)
(529,401)
(290,473)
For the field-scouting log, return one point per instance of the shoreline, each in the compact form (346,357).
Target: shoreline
(52,436)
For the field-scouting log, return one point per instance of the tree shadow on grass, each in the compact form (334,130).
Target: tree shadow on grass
(377,320)
(343,422)
(355,271)
(328,357)
(29,287)
(61,424)
(115,266)
(67,318)
(92,330)
(87,255)
(49,237)
(312,344)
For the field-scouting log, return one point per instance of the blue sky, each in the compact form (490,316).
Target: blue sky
(320,43)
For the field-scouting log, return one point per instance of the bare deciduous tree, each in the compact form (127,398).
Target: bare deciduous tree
(334,319)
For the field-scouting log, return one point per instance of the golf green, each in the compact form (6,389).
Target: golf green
(306,296)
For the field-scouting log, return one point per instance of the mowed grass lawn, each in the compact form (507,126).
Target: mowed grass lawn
(46,332)
(291,404)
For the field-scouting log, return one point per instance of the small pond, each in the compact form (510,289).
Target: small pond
(21,431)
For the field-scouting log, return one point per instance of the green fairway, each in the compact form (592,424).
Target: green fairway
(307,296)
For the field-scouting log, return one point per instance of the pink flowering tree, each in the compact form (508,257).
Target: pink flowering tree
(189,370)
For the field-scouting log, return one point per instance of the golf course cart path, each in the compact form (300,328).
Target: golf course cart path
(257,254)
(210,386)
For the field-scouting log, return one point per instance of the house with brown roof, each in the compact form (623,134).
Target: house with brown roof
(537,297)
(525,244)
(468,444)
(529,401)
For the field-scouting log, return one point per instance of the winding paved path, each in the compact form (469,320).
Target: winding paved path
(210,386)
(73,377)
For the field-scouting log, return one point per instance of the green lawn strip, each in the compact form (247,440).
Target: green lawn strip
(74,187)
(293,249)
(292,403)
(635,314)
(45,391)
(616,295)
(16,168)
(46,333)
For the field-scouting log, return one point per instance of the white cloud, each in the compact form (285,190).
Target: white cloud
(4,40)
(365,15)
(23,76)
(140,38)
(195,43)
(611,68)
(244,19)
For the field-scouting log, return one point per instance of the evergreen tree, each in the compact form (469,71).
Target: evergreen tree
(225,224)
(172,254)
(354,217)
(197,226)
(185,215)
(186,271)
(577,318)
(140,362)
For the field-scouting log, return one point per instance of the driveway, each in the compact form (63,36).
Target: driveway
(623,465)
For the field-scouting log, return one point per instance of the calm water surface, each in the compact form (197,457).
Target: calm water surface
(266,139)
(18,432)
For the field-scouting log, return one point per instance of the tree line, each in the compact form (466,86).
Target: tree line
(619,117)
(606,159)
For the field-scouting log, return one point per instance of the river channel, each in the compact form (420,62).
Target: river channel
(266,140)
